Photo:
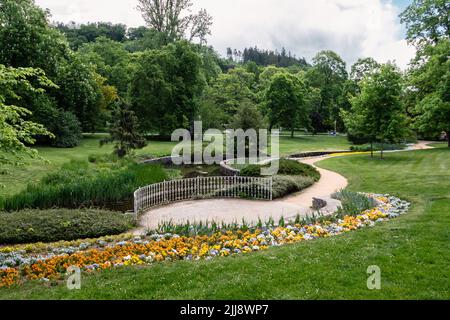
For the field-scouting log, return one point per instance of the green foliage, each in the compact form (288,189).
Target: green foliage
(248,117)
(67,130)
(427,21)
(431,99)
(268,58)
(111,60)
(80,93)
(353,203)
(16,133)
(175,20)
(124,131)
(79,184)
(286,102)
(229,90)
(26,39)
(165,88)
(328,74)
(293,168)
(252,170)
(284,185)
(378,113)
(363,68)
(30,226)
(77,35)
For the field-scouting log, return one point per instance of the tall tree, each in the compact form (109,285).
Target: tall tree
(80,93)
(287,103)
(111,61)
(229,90)
(427,21)
(27,40)
(124,131)
(175,19)
(165,88)
(430,84)
(378,112)
(329,75)
(363,67)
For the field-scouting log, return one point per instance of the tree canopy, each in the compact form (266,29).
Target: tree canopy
(427,21)
(17,133)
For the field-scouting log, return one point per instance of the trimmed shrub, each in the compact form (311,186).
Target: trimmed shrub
(293,168)
(284,185)
(30,226)
(353,203)
(252,170)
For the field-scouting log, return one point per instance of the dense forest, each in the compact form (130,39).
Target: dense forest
(60,80)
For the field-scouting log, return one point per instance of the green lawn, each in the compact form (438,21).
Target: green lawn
(412,251)
(34,170)
(289,146)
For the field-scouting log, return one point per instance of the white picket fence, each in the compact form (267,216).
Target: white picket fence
(202,188)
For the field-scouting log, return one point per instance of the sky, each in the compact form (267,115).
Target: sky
(352,28)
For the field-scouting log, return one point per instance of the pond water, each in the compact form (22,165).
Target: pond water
(194,171)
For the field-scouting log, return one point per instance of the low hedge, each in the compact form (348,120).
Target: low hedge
(285,185)
(293,168)
(286,168)
(252,170)
(29,226)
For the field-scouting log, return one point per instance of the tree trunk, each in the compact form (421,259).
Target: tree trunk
(292,133)
(371,149)
(448,138)
(382,150)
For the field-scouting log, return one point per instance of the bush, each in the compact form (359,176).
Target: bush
(80,184)
(64,125)
(252,170)
(67,131)
(353,203)
(284,185)
(294,168)
(30,226)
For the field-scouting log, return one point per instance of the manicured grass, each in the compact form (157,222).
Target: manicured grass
(412,251)
(439,145)
(298,144)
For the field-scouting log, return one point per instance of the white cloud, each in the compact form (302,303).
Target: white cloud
(352,28)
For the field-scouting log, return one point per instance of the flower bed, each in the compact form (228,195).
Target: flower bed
(50,262)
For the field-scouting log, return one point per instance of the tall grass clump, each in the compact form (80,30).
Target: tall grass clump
(353,203)
(83,184)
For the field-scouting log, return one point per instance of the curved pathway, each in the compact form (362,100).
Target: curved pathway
(235,210)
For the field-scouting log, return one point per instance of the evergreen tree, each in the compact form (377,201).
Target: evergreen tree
(124,131)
